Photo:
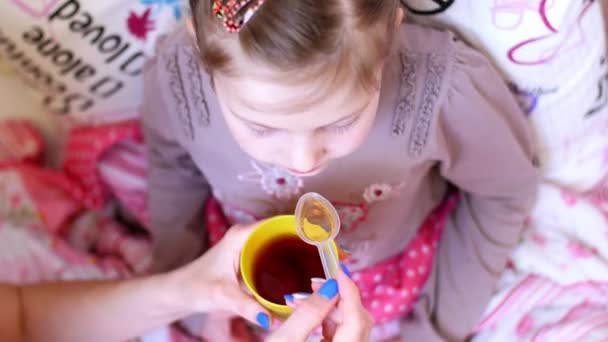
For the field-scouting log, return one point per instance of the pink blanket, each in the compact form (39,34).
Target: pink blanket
(46,233)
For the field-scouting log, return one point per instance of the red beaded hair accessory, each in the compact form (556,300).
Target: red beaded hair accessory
(235,13)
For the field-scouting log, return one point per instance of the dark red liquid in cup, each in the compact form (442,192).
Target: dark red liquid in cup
(285,266)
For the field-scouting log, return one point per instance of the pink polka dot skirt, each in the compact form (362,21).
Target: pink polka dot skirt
(389,289)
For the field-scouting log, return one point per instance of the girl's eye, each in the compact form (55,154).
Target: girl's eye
(260,131)
(341,129)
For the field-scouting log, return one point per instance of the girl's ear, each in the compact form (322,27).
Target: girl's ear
(399,17)
(190,28)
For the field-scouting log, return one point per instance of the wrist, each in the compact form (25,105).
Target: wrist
(189,293)
(176,296)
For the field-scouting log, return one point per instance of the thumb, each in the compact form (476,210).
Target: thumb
(243,305)
(309,314)
(237,235)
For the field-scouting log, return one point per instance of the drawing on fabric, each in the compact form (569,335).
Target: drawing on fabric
(529,98)
(602,91)
(509,15)
(543,48)
(427,7)
(139,25)
(36,9)
(158,5)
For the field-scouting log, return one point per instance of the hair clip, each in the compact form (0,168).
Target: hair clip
(235,13)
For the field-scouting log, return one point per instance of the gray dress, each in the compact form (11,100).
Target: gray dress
(445,117)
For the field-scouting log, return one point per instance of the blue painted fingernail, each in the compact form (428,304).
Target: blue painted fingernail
(329,290)
(345,270)
(263,320)
(288,298)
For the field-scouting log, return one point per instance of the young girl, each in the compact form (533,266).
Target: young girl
(268,100)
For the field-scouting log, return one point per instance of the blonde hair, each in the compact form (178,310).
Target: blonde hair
(351,37)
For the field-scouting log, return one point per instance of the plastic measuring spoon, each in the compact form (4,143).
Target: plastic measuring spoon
(318,223)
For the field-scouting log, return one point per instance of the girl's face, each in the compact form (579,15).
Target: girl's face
(301,127)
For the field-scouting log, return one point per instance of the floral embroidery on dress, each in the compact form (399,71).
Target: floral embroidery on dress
(237,215)
(196,89)
(405,106)
(351,215)
(381,191)
(436,68)
(275,181)
(346,253)
(178,90)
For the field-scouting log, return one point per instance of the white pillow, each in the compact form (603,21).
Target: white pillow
(85,57)
(554,55)
(16,98)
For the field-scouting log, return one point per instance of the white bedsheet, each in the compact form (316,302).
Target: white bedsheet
(557,289)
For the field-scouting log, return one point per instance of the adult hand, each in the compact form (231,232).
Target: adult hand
(336,306)
(211,283)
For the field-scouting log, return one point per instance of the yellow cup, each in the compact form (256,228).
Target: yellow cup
(267,232)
